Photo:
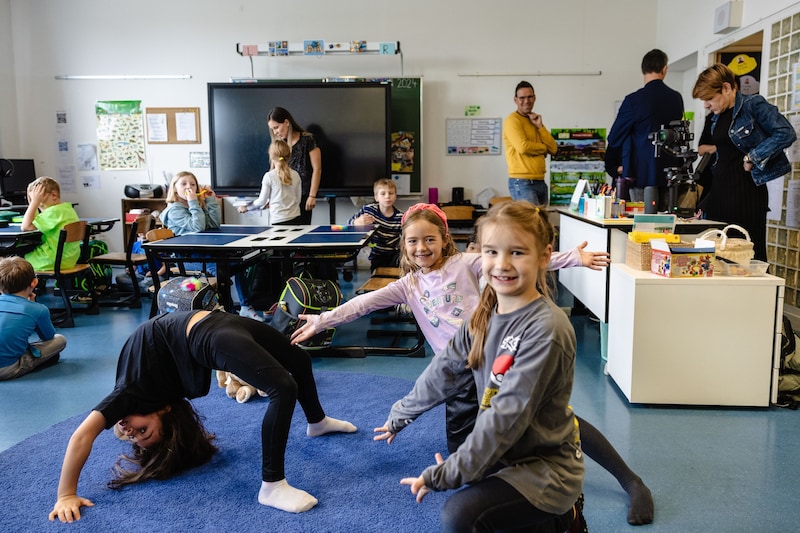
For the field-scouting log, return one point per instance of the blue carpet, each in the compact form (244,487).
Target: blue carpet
(355,479)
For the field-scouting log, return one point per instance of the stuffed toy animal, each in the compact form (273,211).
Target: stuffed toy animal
(236,388)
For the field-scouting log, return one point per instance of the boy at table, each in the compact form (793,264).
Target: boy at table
(48,214)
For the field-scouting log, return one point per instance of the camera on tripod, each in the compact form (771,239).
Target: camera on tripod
(674,140)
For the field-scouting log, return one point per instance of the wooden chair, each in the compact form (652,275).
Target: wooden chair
(66,278)
(129,261)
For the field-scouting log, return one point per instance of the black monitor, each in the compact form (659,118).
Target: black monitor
(350,123)
(16,175)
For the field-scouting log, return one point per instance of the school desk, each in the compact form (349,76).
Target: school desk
(234,247)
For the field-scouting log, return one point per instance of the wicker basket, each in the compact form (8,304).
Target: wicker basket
(734,249)
(638,255)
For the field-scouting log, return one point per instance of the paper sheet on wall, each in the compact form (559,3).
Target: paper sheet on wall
(87,157)
(185,127)
(66,179)
(403,183)
(775,192)
(793,152)
(792,203)
(157,127)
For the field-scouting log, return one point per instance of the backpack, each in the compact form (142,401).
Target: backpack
(186,293)
(789,369)
(302,296)
(101,274)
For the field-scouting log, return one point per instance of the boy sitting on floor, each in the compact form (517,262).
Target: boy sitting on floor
(20,316)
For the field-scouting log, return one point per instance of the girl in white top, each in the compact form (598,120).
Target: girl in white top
(280,188)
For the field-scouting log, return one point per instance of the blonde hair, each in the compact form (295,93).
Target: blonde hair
(172,194)
(384,182)
(279,153)
(50,185)
(524,217)
(448,249)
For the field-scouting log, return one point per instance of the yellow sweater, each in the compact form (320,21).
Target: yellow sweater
(526,147)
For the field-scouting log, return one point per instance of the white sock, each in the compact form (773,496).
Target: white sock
(330,425)
(281,495)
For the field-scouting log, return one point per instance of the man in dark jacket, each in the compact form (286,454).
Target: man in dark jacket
(630,153)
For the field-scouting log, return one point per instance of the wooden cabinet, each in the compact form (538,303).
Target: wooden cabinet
(152,204)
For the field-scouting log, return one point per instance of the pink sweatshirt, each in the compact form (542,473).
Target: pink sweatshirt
(440,300)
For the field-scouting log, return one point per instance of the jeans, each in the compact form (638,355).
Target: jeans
(534,191)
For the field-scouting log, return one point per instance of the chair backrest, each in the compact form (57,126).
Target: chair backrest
(158,234)
(77,231)
(140,226)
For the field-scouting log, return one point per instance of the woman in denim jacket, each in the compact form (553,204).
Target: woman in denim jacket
(747,135)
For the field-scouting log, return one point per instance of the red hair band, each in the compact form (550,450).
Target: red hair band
(430,207)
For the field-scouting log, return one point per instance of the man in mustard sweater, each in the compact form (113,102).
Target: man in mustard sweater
(527,144)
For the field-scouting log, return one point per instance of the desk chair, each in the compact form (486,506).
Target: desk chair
(67,278)
(129,261)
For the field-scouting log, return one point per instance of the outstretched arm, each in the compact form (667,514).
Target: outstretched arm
(593,260)
(68,505)
(578,256)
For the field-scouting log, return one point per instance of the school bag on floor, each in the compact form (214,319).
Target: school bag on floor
(101,274)
(789,372)
(303,296)
(186,293)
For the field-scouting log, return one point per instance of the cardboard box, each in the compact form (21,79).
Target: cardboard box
(638,255)
(682,260)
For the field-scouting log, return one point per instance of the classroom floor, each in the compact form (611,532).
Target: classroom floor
(710,469)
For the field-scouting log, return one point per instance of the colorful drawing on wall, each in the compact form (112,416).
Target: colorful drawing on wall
(120,134)
(314,48)
(580,156)
(747,67)
(402,151)
(278,48)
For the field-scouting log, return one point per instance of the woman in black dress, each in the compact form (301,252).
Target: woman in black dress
(747,135)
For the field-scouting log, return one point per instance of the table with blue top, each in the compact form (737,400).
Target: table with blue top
(234,247)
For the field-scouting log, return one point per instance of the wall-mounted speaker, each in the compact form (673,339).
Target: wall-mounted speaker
(728,16)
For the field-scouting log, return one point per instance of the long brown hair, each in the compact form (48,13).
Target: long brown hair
(523,217)
(185,443)
(448,249)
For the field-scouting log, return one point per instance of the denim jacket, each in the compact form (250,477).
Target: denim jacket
(759,130)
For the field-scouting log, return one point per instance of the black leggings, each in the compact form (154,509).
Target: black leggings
(262,357)
(493,505)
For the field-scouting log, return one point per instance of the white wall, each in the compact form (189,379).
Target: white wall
(444,42)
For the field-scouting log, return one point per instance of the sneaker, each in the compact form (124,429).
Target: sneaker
(249,312)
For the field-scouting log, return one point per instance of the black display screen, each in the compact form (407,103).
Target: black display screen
(350,123)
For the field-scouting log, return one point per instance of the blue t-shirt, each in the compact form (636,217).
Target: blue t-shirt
(19,319)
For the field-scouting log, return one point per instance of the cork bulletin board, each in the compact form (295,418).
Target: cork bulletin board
(173,125)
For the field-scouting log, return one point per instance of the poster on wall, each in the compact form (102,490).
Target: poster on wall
(120,134)
(747,67)
(580,156)
(473,136)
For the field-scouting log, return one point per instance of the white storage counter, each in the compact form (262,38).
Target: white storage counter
(708,341)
